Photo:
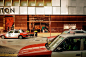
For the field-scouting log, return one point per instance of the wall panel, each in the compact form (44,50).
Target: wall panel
(21,22)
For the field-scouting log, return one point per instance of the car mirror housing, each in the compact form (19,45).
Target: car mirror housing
(59,49)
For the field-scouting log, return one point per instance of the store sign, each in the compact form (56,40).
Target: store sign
(47,10)
(7,10)
(67,26)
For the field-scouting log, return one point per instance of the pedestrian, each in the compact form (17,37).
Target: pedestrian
(35,32)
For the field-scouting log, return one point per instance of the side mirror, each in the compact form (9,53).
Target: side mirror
(59,49)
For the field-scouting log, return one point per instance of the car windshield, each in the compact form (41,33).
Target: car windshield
(21,31)
(54,43)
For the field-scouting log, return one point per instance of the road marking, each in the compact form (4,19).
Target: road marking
(8,54)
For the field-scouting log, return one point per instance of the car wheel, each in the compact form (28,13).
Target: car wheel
(3,37)
(20,37)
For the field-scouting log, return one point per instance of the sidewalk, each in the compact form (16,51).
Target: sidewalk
(47,34)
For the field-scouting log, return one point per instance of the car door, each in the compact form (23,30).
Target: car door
(16,33)
(84,49)
(68,48)
(11,34)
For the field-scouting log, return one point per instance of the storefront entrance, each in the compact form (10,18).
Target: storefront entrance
(9,23)
(39,23)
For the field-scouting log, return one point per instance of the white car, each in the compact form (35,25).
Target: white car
(64,45)
(14,34)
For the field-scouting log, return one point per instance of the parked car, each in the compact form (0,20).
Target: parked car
(67,32)
(14,34)
(64,45)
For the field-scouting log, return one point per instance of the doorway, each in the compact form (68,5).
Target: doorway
(9,23)
(39,22)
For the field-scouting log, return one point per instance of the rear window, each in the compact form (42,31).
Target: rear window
(79,32)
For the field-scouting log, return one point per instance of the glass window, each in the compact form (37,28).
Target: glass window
(71,44)
(10,31)
(17,32)
(79,32)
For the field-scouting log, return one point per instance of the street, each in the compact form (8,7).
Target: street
(11,47)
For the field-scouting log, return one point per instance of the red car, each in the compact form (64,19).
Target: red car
(50,38)
(14,34)
(34,50)
(64,45)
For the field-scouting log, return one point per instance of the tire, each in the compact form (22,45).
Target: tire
(3,37)
(20,37)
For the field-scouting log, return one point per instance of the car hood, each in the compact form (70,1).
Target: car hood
(34,50)
(51,37)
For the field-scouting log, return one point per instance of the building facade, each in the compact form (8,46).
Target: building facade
(54,15)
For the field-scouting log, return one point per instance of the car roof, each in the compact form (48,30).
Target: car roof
(73,35)
(14,30)
(74,30)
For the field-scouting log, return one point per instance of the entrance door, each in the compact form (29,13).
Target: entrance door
(9,21)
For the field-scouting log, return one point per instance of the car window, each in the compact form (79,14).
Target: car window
(10,31)
(79,32)
(16,32)
(71,44)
